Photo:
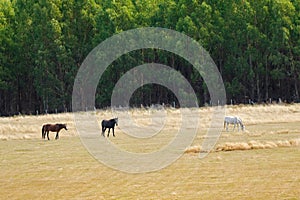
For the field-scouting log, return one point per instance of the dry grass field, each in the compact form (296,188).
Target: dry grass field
(262,162)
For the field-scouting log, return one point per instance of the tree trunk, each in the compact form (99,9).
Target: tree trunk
(252,79)
(258,89)
(267,80)
(296,87)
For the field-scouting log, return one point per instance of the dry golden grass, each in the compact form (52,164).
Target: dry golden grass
(260,163)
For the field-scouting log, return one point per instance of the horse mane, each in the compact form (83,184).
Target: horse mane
(61,124)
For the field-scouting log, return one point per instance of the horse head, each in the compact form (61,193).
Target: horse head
(241,123)
(243,127)
(116,120)
(64,126)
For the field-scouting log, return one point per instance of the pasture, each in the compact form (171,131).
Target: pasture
(263,162)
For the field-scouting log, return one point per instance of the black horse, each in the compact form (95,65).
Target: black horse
(109,124)
(53,128)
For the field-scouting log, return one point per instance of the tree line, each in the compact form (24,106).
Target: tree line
(254,43)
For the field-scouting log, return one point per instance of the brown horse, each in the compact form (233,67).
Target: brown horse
(53,128)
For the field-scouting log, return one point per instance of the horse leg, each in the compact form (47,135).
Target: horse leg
(48,135)
(43,132)
(108,132)
(113,131)
(103,131)
(226,126)
(57,136)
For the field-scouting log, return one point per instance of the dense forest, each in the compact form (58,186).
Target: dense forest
(254,43)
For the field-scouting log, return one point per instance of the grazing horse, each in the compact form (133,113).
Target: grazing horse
(235,121)
(53,128)
(109,124)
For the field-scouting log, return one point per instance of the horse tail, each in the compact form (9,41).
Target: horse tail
(43,130)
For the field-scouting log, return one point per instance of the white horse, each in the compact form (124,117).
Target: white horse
(235,121)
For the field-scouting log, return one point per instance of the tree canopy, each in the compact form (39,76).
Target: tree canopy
(255,45)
